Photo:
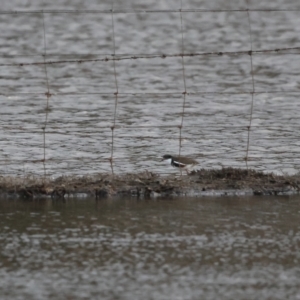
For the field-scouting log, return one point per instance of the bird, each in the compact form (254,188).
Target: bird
(179,161)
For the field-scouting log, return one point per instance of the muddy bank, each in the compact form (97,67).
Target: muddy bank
(226,181)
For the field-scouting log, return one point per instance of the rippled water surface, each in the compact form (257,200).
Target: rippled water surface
(229,248)
(149,108)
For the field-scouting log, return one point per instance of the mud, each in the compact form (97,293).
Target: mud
(226,181)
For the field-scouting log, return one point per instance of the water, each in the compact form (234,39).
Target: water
(209,248)
(78,134)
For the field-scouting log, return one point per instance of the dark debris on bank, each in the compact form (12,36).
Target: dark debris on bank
(226,181)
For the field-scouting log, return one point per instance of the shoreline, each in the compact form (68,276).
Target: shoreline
(200,183)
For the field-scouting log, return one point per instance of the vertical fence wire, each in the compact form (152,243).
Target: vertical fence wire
(116,93)
(47,94)
(184,81)
(253,89)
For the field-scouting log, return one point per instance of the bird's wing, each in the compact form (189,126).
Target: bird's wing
(178,164)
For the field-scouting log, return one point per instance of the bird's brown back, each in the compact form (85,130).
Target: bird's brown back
(185,160)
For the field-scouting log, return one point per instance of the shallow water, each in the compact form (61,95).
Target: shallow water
(209,248)
(78,134)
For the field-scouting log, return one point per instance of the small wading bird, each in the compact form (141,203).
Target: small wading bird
(180,161)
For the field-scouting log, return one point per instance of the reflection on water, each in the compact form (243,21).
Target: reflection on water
(229,248)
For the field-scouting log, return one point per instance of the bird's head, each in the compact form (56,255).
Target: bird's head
(166,157)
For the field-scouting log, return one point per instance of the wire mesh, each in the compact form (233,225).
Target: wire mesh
(93,122)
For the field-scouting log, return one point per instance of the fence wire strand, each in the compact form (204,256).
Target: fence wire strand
(152,93)
(116,92)
(143,11)
(114,57)
(184,82)
(253,89)
(47,94)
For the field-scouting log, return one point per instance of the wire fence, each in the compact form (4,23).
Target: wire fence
(213,110)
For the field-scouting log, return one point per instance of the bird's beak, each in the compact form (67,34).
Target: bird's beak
(162,159)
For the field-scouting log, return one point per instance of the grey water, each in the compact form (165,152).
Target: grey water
(208,248)
(149,109)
